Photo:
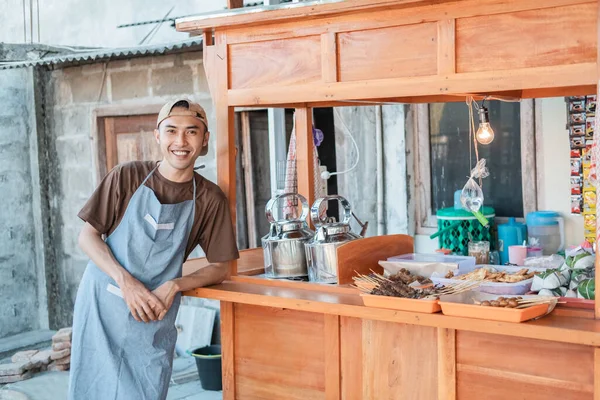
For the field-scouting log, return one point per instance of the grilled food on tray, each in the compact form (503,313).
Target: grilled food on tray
(483,274)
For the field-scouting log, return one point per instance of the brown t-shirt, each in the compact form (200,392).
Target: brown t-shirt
(212,229)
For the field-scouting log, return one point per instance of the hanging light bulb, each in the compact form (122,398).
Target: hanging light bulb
(485,133)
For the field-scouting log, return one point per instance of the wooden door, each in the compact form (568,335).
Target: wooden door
(130,138)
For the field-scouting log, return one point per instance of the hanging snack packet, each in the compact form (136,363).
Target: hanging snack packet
(471,196)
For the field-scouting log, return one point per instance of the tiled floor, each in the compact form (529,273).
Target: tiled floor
(54,385)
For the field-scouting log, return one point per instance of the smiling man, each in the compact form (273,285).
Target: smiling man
(152,214)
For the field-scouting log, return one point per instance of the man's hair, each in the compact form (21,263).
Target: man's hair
(182,104)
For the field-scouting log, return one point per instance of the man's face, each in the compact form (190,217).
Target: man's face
(181,139)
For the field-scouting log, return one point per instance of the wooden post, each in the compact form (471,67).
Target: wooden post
(332,357)
(228,349)
(226,149)
(446,346)
(596,135)
(248,178)
(304,153)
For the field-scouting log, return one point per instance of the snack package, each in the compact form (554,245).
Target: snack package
(576,185)
(576,204)
(576,106)
(578,142)
(590,105)
(575,166)
(577,130)
(578,118)
(589,128)
(576,153)
(589,222)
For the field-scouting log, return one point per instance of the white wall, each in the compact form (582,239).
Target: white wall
(94,22)
(553,171)
(553,166)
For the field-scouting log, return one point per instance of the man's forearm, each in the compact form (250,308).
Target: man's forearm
(98,251)
(212,274)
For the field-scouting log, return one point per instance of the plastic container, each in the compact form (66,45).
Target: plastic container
(208,363)
(465,263)
(459,227)
(499,288)
(547,228)
(510,234)
(517,254)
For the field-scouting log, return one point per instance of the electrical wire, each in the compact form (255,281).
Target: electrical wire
(347,133)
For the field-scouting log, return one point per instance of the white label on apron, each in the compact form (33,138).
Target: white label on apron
(156,226)
(114,290)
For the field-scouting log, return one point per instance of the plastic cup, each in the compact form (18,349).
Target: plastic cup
(517,254)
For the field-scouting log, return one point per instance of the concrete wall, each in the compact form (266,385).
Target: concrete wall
(21,256)
(71,132)
(359,186)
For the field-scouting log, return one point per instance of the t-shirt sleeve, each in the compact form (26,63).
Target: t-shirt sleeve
(100,211)
(217,237)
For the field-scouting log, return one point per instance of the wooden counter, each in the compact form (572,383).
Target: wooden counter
(307,343)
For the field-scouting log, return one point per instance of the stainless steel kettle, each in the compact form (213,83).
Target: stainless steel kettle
(321,254)
(283,246)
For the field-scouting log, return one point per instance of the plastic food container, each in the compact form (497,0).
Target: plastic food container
(517,288)
(465,263)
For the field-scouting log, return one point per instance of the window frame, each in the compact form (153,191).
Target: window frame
(425,220)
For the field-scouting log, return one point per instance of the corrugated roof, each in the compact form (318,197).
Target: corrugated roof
(90,57)
(172,20)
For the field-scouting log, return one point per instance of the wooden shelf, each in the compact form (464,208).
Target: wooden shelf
(552,327)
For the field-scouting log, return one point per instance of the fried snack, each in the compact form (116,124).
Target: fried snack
(498,277)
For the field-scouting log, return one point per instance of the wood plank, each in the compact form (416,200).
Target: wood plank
(551,328)
(228,330)
(446,346)
(527,357)
(475,82)
(476,385)
(528,157)
(394,52)
(446,46)
(275,63)
(515,42)
(303,123)
(297,372)
(250,260)
(332,357)
(596,373)
(329,61)
(248,178)
(235,4)
(396,357)
(351,358)
(366,10)
(225,117)
(284,283)
(110,139)
(363,255)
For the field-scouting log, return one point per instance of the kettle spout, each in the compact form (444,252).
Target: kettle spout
(363,226)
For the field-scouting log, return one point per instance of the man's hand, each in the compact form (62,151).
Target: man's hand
(166,294)
(144,305)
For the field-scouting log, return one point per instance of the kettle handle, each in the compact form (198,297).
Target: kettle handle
(273,201)
(314,210)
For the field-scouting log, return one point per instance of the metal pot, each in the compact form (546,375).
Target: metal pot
(283,247)
(321,251)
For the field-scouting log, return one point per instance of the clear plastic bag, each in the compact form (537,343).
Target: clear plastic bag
(471,196)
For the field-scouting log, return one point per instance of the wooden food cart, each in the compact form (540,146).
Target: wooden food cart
(294,340)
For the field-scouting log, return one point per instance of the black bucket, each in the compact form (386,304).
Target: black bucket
(208,362)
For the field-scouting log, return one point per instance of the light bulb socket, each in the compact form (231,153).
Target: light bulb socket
(484,117)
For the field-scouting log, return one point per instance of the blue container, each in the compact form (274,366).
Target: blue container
(510,234)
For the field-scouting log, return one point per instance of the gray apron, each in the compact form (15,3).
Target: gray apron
(113,355)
